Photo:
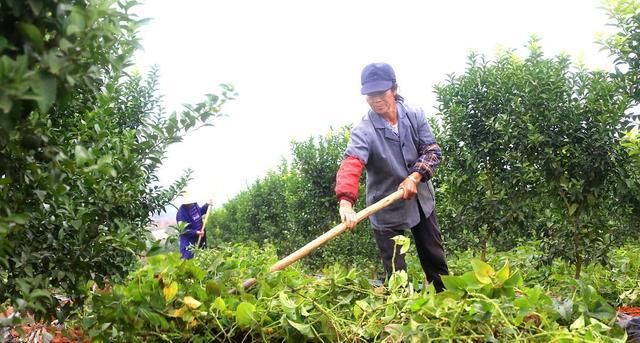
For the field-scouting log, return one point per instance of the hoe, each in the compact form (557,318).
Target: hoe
(327,236)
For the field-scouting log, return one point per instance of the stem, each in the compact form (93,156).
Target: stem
(575,222)
(360,290)
(220,326)
(499,310)
(454,322)
(578,255)
(393,259)
(332,318)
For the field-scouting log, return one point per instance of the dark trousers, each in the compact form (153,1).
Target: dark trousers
(428,242)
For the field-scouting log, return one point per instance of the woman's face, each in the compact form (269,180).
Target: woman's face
(381,102)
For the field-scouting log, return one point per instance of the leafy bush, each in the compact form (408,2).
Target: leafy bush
(296,203)
(536,133)
(616,279)
(178,300)
(80,145)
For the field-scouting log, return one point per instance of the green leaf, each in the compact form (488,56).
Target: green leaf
(453,283)
(304,329)
(503,274)
(572,209)
(75,23)
(397,331)
(3,43)
(65,44)
(398,279)
(219,304)
(5,103)
(32,34)
(40,293)
(578,323)
(105,159)
(41,194)
(482,271)
(20,219)
(82,155)
(564,308)
(244,313)
(170,292)
(357,311)
(363,305)
(45,87)
(403,241)
(54,62)
(514,280)
(36,6)
(389,314)
(213,288)
(286,302)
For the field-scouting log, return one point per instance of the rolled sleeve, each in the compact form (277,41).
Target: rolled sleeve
(348,179)
(355,158)
(429,152)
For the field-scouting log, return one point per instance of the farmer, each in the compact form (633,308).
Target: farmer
(394,142)
(191,214)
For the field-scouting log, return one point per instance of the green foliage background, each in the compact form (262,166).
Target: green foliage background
(81,140)
(534,148)
(296,203)
(170,299)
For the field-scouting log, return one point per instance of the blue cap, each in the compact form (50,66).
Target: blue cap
(377,77)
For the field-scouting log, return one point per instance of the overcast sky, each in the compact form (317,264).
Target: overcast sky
(296,65)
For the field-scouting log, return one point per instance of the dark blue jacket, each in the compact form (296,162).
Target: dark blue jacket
(193,217)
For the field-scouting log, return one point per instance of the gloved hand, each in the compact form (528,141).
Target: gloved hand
(347,214)
(410,186)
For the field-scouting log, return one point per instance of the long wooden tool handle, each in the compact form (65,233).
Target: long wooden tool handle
(329,235)
(204,223)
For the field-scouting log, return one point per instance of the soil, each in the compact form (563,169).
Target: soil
(41,332)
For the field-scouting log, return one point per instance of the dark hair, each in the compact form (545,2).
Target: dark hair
(397,97)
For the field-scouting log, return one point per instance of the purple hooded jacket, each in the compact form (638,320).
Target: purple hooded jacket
(192,215)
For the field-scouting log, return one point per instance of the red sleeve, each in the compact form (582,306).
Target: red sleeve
(348,179)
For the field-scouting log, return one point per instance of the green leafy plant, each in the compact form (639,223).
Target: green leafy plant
(518,131)
(81,141)
(296,203)
(169,299)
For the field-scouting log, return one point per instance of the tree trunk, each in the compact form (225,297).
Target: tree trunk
(578,255)
(576,244)
(485,244)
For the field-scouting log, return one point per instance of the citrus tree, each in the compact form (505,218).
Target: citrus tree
(295,203)
(624,47)
(539,129)
(81,140)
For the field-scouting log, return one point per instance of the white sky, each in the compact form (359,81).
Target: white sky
(296,65)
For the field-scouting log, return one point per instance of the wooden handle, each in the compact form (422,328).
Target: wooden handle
(204,223)
(334,232)
(329,235)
